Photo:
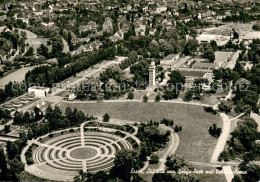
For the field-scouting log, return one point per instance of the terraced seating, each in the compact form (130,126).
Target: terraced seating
(70,152)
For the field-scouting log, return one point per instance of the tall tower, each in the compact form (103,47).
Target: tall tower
(152,75)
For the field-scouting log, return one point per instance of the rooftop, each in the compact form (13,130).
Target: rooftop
(201,65)
(170,57)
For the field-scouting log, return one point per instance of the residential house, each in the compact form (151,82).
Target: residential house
(161,9)
(119,35)
(108,25)
(91,26)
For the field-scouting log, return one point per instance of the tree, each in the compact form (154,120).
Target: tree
(224,156)
(188,95)
(68,113)
(106,118)
(236,34)
(215,131)
(158,98)
(256,27)
(57,112)
(38,113)
(48,112)
(123,164)
(177,128)
(154,159)
(225,106)
(29,52)
(130,95)
(209,54)
(208,51)
(175,163)
(133,57)
(43,51)
(190,47)
(100,176)
(174,85)
(145,98)
(7,129)
(16,166)
(162,177)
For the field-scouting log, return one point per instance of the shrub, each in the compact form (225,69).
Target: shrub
(223,156)
(130,96)
(177,129)
(210,109)
(106,118)
(154,159)
(71,130)
(215,131)
(50,135)
(145,98)
(158,98)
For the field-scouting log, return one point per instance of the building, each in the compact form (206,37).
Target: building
(39,91)
(207,38)
(152,75)
(222,57)
(206,66)
(169,61)
(70,97)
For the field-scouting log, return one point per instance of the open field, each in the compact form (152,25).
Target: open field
(209,177)
(195,142)
(17,76)
(25,176)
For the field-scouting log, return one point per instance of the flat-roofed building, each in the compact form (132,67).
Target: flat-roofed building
(207,66)
(169,61)
(39,91)
(207,38)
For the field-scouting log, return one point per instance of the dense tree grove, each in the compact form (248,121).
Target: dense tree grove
(174,85)
(152,139)
(243,145)
(11,165)
(12,89)
(46,75)
(27,118)
(246,85)
(141,74)
(175,164)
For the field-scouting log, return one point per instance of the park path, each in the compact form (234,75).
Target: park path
(172,147)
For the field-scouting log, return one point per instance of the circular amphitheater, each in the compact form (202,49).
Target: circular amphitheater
(65,155)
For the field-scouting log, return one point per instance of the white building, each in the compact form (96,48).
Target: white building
(39,91)
(152,75)
(220,39)
(169,61)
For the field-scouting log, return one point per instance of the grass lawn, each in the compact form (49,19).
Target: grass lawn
(25,176)
(17,75)
(209,177)
(195,142)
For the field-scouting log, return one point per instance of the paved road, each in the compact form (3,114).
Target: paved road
(65,46)
(5,139)
(134,100)
(225,131)
(228,173)
(172,147)
(222,138)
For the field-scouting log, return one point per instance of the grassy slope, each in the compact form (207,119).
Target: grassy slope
(195,142)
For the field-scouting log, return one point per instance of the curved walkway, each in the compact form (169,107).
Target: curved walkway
(172,147)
